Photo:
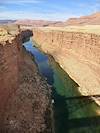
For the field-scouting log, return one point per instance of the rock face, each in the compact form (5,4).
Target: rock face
(93,19)
(77,53)
(24,95)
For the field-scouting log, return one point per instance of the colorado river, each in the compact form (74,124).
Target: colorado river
(72,113)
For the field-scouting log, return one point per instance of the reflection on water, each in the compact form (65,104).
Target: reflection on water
(72,114)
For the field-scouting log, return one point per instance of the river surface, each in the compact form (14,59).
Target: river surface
(72,113)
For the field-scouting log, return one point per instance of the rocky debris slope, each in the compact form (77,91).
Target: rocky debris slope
(77,53)
(24,94)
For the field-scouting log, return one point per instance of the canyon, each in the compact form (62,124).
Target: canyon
(78,53)
(24,94)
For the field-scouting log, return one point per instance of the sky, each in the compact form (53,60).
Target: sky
(47,9)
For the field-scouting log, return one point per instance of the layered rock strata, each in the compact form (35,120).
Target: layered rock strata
(24,95)
(77,53)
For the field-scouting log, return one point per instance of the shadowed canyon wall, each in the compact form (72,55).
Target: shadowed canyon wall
(10,61)
(24,95)
(77,53)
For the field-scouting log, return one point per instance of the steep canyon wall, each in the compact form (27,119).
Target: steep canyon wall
(10,60)
(24,95)
(77,53)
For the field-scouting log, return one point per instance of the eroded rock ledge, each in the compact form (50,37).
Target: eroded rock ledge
(77,53)
(24,95)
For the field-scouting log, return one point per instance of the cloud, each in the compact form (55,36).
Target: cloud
(35,15)
(49,12)
(21,2)
(46,9)
(90,6)
(2,7)
(96,6)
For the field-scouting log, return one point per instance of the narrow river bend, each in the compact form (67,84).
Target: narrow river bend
(72,114)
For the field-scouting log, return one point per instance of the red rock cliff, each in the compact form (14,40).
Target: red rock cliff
(77,53)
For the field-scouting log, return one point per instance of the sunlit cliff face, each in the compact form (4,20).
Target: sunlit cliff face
(78,54)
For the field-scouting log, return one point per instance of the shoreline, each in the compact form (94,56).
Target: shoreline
(49,92)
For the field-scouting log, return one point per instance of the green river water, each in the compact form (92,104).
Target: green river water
(72,113)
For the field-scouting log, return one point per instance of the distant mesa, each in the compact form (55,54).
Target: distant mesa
(39,23)
(7,21)
(93,19)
